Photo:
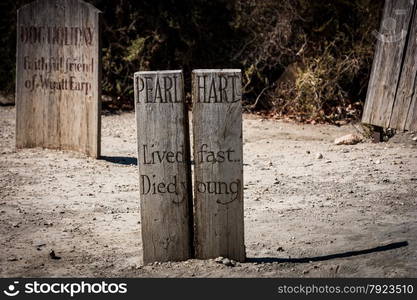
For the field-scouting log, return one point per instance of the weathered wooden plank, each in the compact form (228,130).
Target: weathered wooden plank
(387,64)
(411,122)
(218,156)
(164,166)
(403,115)
(58,76)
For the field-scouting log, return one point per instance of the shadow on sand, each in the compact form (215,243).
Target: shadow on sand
(327,257)
(121,160)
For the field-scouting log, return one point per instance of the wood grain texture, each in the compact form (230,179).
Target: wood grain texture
(58,76)
(411,123)
(218,171)
(164,166)
(404,114)
(388,98)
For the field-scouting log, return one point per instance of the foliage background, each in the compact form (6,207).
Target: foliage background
(308,60)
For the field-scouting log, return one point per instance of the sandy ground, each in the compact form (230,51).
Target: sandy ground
(352,213)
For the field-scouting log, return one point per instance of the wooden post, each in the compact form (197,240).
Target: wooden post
(164,166)
(404,114)
(391,99)
(58,76)
(218,173)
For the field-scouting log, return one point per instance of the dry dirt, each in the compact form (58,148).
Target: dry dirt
(350,214)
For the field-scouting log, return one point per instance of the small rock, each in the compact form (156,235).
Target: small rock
(12,258)
(53,255)
(350,139)
(414,139)
(229,263)
(280,249)
(39,246)
(319,156)
(6,100)
(219,259)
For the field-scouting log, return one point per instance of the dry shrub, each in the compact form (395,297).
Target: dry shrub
(311,60)
(305,59)
(267,41)
(318,91)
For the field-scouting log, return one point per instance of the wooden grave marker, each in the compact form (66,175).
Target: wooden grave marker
(391,100)
(58,76)
(218,171)
(164,166)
